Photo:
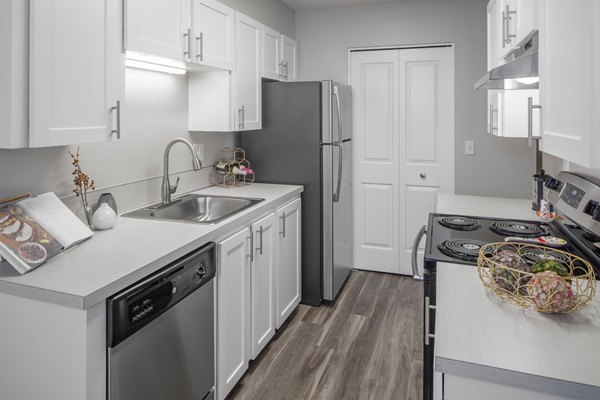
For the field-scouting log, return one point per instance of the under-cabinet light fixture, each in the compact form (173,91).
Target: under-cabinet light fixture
(154,67)
(529,80)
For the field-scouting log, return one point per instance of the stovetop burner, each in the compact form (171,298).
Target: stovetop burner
(532,255)
(460,223)
(514,228)
(467,250)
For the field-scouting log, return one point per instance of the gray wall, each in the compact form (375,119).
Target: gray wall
(155,111)
(501,167)
(272,13)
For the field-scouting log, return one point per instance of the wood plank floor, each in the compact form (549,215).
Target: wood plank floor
(367,346)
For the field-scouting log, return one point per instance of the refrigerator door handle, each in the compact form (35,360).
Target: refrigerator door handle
(340,145)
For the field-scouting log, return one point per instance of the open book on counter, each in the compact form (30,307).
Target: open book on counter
(34,230)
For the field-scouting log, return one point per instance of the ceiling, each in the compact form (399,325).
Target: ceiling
(310,4)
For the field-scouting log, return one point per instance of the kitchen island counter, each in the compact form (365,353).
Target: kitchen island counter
(480,338)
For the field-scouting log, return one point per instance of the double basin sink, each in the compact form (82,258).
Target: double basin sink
(195,208)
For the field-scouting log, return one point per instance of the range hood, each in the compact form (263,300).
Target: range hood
(520,70)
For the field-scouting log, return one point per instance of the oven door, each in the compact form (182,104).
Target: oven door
(428,335)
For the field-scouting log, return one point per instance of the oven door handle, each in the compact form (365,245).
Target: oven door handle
(415,253)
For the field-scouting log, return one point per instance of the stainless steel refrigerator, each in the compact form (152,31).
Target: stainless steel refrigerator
(307,140)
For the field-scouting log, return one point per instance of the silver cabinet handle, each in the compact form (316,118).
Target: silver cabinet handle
(508,17)
(428,307)
(117,108)
(260,249)
(188,37)
(286,71)
(530,108)
(241,116)
(283,223)
(415,252)
(492,111)
(200,46)
(280,70)
(251,255)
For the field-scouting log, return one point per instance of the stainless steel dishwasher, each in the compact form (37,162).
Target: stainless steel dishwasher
(160,333)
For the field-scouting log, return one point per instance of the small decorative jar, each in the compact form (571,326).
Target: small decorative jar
(104,217)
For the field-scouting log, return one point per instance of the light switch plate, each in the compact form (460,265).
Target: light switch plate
(469,147)
(199,150)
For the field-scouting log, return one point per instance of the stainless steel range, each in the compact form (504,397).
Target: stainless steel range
(457,239)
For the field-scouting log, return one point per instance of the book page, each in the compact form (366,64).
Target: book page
(57,219)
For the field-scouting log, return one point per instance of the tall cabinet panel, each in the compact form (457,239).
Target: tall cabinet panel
(569,86)
(265,263)
(233,302)
(212,34)
(159,27)
(77,74)
(247,73)
(289,268)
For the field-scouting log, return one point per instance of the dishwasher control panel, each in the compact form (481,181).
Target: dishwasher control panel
(133,308)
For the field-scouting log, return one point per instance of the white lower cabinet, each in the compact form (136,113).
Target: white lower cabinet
(262,281)
(233,310)
(258,281)
(288,284)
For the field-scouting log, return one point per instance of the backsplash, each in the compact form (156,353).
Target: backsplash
(155,111)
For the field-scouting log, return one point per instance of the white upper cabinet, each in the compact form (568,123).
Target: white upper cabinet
(159,27)
(569,84)
(212,34)
(509,22)
(280,56)
(272,63)
(248,108)
(76,71)
(289,58)
(508,113)
(14,24)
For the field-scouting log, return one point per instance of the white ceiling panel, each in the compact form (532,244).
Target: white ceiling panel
(310,4)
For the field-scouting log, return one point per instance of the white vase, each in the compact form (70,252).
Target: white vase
(104,217)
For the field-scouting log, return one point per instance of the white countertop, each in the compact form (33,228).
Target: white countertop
(479,206)
(114,259)
(480,337)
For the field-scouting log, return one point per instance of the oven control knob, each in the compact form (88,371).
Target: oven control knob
(592,208)
(553,184)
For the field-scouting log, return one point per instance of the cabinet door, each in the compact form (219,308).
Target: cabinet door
(263,282)
(494,34)
(233,305)
(527,18)
(289,269)
(158,27)
(513,113)
(77,71)
(212,34)
(247,74)
(271,63)
(289,56)
(569,61)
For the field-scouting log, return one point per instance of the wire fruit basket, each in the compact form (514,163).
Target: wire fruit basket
(559,282)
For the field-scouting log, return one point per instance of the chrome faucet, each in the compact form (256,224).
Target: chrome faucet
(167,189)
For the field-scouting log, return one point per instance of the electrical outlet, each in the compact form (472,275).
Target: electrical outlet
(199,150)
(469,147)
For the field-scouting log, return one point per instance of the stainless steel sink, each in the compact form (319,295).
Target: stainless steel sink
(195,208)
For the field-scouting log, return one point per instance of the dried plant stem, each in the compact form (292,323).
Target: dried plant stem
(83,183)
